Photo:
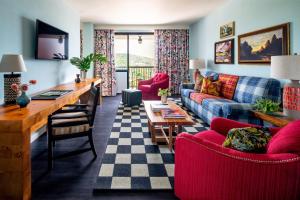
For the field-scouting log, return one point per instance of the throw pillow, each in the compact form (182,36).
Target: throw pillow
(248,139)
(198,83)
(229,83)
(212,88)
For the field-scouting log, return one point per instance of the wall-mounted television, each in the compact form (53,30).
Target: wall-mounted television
(51,42)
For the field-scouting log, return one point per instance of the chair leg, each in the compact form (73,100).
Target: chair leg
(92,144)
(50,153)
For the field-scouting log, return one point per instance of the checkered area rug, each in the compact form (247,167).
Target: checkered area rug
(131,160)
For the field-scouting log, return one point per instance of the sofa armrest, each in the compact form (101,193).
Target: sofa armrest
(160,84)
(145,82)
(205,170)
(187,86)
(237,109)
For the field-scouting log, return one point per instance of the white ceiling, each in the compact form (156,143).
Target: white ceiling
(143,12)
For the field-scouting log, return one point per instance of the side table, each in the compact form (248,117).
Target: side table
(278,119)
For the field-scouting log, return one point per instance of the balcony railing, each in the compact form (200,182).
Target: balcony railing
(139,73)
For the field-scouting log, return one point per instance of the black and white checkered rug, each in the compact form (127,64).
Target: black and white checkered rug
(131,160)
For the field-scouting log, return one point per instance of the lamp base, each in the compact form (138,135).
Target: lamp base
(10,95)
(291,100)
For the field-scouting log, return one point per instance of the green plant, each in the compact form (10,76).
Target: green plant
(84,63)
(163,92)
(267,106)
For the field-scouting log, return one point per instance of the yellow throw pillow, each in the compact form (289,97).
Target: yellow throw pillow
(212,88)
(198,83)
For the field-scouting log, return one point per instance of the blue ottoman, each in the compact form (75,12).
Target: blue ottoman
(131,97)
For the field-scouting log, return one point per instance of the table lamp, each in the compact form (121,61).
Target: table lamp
(11,63)
(288,67)
(197,64)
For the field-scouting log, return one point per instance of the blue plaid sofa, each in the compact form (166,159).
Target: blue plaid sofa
(247,91)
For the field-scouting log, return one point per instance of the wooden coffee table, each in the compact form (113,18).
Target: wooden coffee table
(156,124)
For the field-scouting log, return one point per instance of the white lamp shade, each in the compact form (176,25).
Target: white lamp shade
(197,64)
(285,67)
(12,63)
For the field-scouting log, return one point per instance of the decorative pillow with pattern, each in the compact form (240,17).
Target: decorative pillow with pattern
(229,83)
(248,139)
(198,83)
(212,88)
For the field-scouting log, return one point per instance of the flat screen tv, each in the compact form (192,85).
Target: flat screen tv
(51,42)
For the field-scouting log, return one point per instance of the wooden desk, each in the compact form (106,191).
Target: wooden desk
(278,119)
(16,126)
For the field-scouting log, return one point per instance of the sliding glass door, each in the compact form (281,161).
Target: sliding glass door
(134,55)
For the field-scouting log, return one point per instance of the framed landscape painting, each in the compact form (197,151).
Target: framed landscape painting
(227,30)
(258,46)
(224,52)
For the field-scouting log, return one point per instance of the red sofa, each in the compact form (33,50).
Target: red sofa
(150,87)
(204,169)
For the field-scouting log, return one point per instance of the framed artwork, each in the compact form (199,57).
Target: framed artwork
(258,46)
(227,30)
(224,52)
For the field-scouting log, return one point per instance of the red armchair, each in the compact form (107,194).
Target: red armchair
(150,87)
(206,170)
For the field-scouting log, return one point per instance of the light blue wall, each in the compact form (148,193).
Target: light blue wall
(249,15)
(17,35)
(88,43)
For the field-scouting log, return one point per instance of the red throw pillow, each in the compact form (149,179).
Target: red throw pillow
(212,88)
(229,83)
(287,140)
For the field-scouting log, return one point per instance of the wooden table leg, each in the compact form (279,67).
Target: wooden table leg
(170,138)
(151,131)
(15,165)
(179,129)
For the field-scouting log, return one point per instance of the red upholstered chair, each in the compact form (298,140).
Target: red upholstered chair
(204,169)
(150,87)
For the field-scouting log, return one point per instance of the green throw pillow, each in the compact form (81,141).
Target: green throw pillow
(248,139)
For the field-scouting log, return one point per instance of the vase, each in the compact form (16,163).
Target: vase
(77,80)
(23,100)
(164,99)
(83,75)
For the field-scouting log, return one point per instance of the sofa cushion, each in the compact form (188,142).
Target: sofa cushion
(249,89)
(159,77)
(186,92)
(198,83)
(212,88)
(211,136)
(228,85)
(199,97)
(248,139)
(286,140)
(216,105)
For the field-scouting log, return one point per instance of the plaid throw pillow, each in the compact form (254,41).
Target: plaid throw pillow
(229,83)
(248,139)
(212,88)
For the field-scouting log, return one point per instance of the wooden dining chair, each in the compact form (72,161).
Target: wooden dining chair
(71,123)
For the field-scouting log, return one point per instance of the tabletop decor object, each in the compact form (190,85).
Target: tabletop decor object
(11,63)
(288,67)
(84,63)
(23,99)
(164,93)
(267,106)
(196,64)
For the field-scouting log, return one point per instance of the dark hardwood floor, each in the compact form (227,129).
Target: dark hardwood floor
(74,177)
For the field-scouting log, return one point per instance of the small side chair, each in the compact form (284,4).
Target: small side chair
(72,123)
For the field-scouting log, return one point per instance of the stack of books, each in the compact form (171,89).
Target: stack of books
(172,114)
(158,107)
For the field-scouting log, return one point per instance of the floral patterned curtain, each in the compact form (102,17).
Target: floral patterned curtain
(104,44)
(172,55)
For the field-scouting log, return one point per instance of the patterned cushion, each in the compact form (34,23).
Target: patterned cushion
(228,85)
(198,83)
(215,105)
(199,97)
(249,89)
(212,88)
(70,129)
(248,139)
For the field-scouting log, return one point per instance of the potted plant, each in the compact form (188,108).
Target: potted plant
(84,63)
(267,106)
(164,93)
